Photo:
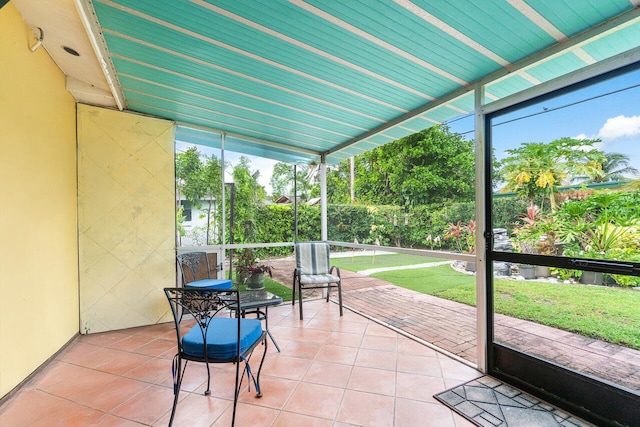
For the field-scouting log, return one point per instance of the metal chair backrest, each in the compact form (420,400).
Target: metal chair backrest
(194,266)
(313,258)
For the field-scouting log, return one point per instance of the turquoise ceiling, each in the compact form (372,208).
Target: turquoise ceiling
(292,80)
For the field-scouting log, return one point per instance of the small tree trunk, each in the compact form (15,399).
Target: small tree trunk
(208,220)
(178,208)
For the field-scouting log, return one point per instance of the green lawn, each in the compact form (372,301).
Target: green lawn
(610,314)
(358,263)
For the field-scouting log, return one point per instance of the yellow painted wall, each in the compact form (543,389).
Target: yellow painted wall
(126,210)
(38,205)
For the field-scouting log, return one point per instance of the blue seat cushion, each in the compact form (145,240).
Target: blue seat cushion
(222,336)
(210,284)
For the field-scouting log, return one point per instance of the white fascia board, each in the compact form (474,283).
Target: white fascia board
(265,142)
(593,70)
(92,27)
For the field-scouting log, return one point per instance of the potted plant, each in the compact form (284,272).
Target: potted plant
(546,245)
(536,236)
(591,278)
(527,271)
(527,236)
(249,271)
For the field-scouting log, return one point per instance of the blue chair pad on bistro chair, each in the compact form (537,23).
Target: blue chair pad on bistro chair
(222,336)
(211,284)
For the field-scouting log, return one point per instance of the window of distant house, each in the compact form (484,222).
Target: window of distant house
(186,210)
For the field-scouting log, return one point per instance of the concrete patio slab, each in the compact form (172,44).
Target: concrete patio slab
(451,326)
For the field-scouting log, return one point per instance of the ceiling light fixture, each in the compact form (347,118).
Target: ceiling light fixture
(70,51)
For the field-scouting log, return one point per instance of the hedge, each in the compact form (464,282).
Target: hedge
(366,224)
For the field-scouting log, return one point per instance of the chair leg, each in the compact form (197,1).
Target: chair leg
(300,298)
(295,282)
(328,291)
(175,405)
(340,296)
(257,377)
(237,392)
(177,382)
(207,392)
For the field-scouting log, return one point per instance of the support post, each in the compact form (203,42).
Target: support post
(352,176)
(295,203)
(323,198)
(232,198)
(481,247)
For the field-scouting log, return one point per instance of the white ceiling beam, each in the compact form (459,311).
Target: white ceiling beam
(406,117)
(533,16)
(542,23)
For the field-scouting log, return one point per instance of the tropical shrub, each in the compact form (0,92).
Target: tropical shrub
(463,236)
(426,223)
(604,226)
(348,222)
(506,212)
(309,224)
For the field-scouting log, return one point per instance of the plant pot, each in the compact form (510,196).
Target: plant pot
(255,282)
(542,271)
(591,278)
(527,271)
(241,278)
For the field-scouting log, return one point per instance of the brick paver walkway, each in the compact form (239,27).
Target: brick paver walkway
(451,326)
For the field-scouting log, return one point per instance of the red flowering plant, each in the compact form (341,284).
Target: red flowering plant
(248,265)
(463,236)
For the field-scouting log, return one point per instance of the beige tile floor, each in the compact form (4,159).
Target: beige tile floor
(332,371)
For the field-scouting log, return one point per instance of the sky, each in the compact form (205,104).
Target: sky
(265,166)
(612,118)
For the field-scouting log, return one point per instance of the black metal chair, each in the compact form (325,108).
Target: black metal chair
(205,336)
(313,271)
(196,271)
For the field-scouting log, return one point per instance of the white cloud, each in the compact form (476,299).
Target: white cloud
(620,126)
(264,165)
(582,137)
(261,164)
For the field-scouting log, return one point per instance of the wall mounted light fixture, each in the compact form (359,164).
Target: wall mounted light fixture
(39,42)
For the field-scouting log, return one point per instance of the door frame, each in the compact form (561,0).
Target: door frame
(590,398)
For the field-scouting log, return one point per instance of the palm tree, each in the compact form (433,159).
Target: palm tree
(615,167)
(282,179)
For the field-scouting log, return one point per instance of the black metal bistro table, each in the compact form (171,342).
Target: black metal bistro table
(258,302)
